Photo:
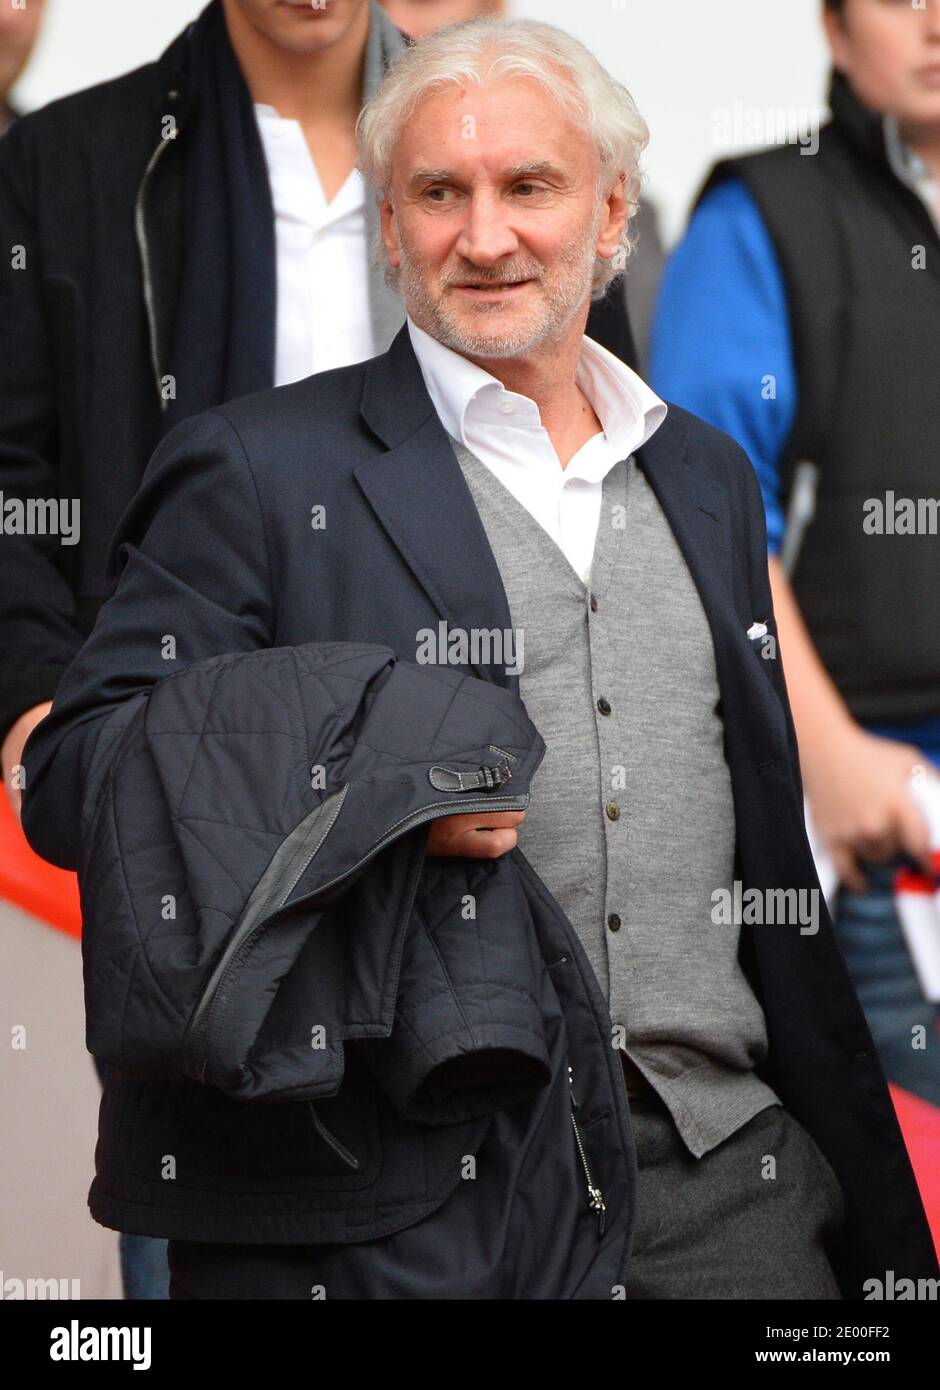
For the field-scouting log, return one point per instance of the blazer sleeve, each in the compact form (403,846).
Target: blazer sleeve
(190,562)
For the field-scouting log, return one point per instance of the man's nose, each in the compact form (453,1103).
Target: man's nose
(486,235)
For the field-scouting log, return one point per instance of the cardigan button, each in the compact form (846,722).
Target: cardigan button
(613,921)
(594,603)
(603,705)
(613,810)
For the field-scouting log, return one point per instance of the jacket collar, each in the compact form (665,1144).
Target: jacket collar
(859,124)
(173,71)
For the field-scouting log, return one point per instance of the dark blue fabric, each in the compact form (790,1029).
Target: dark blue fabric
(224,343)
(144,1269)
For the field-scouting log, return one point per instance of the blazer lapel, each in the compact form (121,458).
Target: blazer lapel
(419,494)
(696,507)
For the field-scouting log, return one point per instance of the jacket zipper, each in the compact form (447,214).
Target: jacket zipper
(140,228)
(205,1024)
(595,1196)
(331,1138)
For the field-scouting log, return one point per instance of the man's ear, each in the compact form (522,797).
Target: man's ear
(389,228)
(617,212)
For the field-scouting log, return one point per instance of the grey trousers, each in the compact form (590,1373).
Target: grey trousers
(753,1218)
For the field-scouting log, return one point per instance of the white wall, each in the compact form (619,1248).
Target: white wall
(681,59)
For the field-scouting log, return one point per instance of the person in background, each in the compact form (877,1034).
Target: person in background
(801,313)
(20,23)
(419,17)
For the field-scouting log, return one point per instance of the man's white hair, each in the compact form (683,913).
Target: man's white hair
(481,50)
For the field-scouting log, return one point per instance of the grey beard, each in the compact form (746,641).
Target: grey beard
(569,293)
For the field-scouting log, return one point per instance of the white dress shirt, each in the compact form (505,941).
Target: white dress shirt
(505,431)
(323,317)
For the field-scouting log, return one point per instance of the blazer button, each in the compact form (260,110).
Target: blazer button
(603,706)
(613,810)
(613,921)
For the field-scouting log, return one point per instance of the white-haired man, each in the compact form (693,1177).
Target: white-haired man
(497,471)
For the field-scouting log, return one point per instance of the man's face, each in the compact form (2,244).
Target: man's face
(19,30)
(299,26)
(493,218)
(890,53)
(419,17)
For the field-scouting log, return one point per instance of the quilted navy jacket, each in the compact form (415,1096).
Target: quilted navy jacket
(299,1002)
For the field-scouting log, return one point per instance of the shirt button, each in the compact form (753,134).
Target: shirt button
(613,921)
(594,603)
(506,407)
(613,810)
(603,705)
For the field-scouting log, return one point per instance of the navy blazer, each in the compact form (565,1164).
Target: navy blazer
(335,509)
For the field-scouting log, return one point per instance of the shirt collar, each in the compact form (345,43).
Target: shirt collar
(296,189)
(629,411)
(908,166)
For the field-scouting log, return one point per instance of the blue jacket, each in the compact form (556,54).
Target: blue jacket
(334,1039)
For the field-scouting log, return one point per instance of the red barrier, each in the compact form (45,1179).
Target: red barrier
(920,1125)
(30,883)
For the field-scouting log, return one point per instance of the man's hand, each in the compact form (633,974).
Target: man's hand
(861,805)
(855,782)
(485,836)
(11,754)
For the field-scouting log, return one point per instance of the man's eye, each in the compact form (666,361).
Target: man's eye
(431,191)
